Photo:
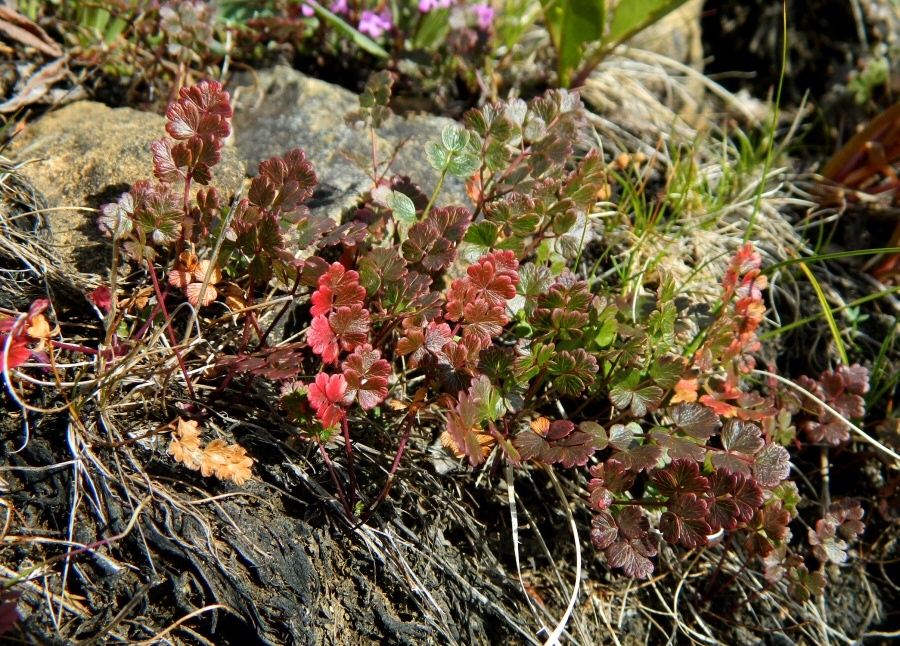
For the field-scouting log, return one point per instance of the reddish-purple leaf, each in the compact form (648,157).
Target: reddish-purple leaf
(848,514)
(559,429)
(292,176)
(200,110)
(464,425)
(350,325)
(337,288)
(741,440)
(632,556)
(601,498)
(856,378)
(613,475)
(696,420)
(483,321)
(685,521)
(733,499)
(322,339)
(165,167)
(739,436)
(679,477)
(826,546)
(575,449)
(632,522)
(771,465)
(262,192)
(775,520)
(634,455)
(604,530)
(533,446)
(679,447)
(494,277)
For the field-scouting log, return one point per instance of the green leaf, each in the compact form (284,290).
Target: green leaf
(432,29)
(633,16)
(626,392)
(483,234)
(563,222)
(573,371)
(403,207)
(661,324)
(667,370)
(454,138)
(464,165)
(573,24)
(436,156)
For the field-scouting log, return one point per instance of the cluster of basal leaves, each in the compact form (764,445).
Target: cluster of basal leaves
(518,357)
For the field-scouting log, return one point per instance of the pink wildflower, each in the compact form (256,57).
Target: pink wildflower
(374,24)
(484,13)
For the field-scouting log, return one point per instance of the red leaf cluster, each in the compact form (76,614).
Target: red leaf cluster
(199,122)
(842,390)
(479,299)
(328,395)
(22,338)
(340,319)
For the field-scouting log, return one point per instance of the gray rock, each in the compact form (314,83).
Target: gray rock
(88,154)
(281,109)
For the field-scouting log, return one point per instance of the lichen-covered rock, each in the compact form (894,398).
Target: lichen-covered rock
(280,109)
(88,154)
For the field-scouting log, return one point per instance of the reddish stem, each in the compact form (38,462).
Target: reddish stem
(351,467)
(334,478)
(392,474)
(160,297)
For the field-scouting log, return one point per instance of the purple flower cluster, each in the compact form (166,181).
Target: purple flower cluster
(374,24)
(483,12)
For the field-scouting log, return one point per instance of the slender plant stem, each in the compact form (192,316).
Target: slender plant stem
(437,189)
(334,478)
(161,299)
(351,467)
(393,472)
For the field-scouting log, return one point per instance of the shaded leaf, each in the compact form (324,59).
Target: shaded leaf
(696,420)
(685,521)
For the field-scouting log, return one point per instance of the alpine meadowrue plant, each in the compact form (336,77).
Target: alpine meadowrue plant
(486,324)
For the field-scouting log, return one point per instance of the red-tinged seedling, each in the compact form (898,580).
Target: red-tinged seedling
(560,442)
(834,533)
(842,390)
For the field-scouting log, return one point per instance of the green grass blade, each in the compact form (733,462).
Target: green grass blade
(633,16)
(829,315)
(880,388)
(772,128)
(360,40)
(830,256)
